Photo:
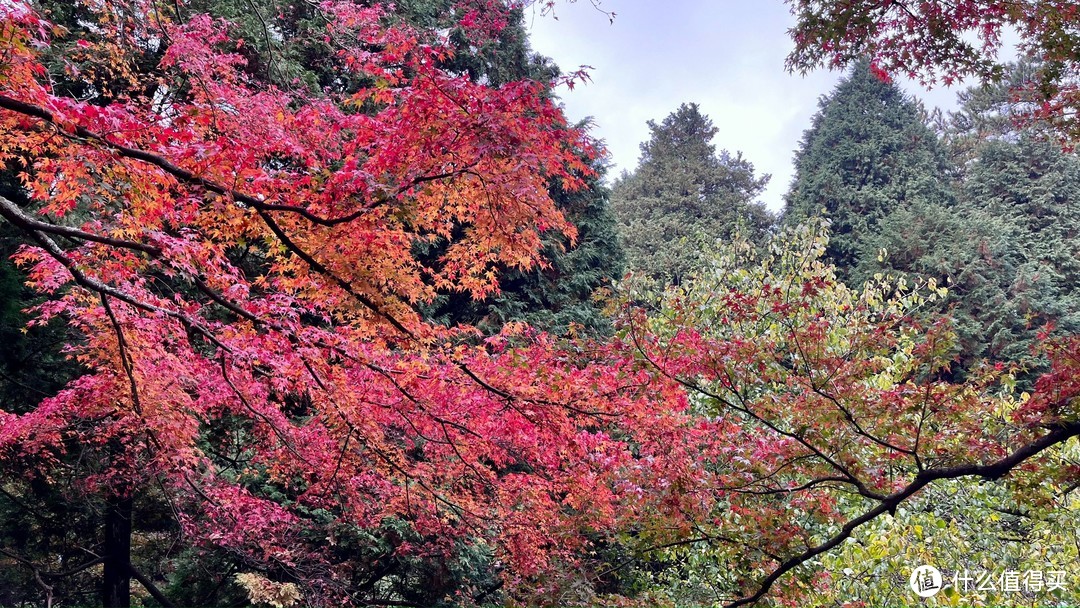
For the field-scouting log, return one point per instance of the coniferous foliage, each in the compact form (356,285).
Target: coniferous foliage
(867,154)
(1008,250)
(36,520)
(32,364)
(1019,179)
(1031,187)
(684,194)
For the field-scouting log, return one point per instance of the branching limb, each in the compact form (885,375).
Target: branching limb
(12,213)
(992,471)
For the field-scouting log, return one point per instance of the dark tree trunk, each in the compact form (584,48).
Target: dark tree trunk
(116,581)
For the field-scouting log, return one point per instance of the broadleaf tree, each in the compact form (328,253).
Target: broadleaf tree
(234,252)
(236,261)
(817,414)
(945,41)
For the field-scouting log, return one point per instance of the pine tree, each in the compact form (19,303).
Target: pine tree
(867,154)
(683,195)
(1009,250)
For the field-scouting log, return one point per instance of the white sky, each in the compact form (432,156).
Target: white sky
(725,55)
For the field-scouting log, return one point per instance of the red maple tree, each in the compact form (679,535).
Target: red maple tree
(945,41)
(238,255)
(237,260)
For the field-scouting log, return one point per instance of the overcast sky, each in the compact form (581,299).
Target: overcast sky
(725,55)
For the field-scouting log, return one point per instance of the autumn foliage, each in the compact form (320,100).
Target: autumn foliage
(237,261)
(942,42)
(824,408)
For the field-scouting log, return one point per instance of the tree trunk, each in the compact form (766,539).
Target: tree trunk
(116,581)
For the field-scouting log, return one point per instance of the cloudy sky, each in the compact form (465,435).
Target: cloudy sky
(725,55)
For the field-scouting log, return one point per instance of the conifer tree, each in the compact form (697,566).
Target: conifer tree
(684,194)
(1030,185)
(1009,250)
(867,154)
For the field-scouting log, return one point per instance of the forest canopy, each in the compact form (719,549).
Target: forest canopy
(324,303)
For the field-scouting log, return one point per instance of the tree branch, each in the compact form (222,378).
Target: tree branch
(151,587)
(12,213)
(992,471)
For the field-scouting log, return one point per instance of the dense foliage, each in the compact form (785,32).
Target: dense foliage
(284,267)
(943,41)
(1007,249)
(567,291)
(555,294)
(868,154)
(682,196)
(831,411)
(249,245)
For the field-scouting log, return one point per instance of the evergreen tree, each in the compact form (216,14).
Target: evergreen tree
(867,154)
(990,112)
(1009,250)
(683,195)
(36,521)
(1032,186)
